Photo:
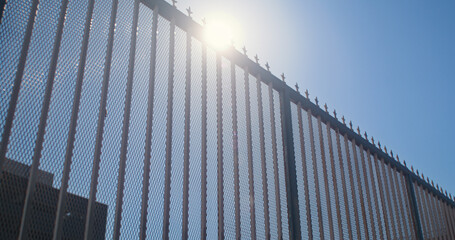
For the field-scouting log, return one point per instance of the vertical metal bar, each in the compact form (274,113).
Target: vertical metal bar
(100,125)
(449,222)
(343,185)
(375,194)
(315,173)
(408,209)
(359,185)
(334,181)
(420,209)
(435,215)
(401,205)
(440,219)
(413,205)
(149,130)
(289,166)
(305,174)
(367,190)
(265,192)
(275,163)
(426,211)
(430,213)
(126,125)
(61,205)
(168,166)
(250,155)
(326,179)
(204,143)
(351,181)
(381,195)
(453,218)
(235,153)
(186,147)
(17,83)
(219,117)
(446,222)
(29,196)
(395,202)
(389,201)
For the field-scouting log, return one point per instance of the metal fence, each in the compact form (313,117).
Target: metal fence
(118,120)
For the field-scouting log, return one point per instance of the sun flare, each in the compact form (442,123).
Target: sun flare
(219,31)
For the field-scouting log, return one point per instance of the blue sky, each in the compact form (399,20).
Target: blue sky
(389,66)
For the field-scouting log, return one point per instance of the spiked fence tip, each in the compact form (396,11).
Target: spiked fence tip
(188,10)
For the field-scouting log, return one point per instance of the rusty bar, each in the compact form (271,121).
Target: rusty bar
(204,144)
(275,162)
(250,155)
(30,192)
(367,189)
(61,204)
(343,185)
(359,185)
(326,179)
(305,174)
(168,165)
(219,120)
(351,180)
(381,183)
(263,159)
(17,82)
(316,178)
(334,181)
(186,147)
(375,194)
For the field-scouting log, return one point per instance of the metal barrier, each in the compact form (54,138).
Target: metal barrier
(118,120)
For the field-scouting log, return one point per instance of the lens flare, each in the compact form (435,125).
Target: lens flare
(219,32)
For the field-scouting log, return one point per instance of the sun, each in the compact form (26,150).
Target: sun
(219,31)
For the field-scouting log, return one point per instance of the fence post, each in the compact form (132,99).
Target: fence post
(289,166)
(414,208)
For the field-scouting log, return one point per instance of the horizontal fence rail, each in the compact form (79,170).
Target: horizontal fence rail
(118,121)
